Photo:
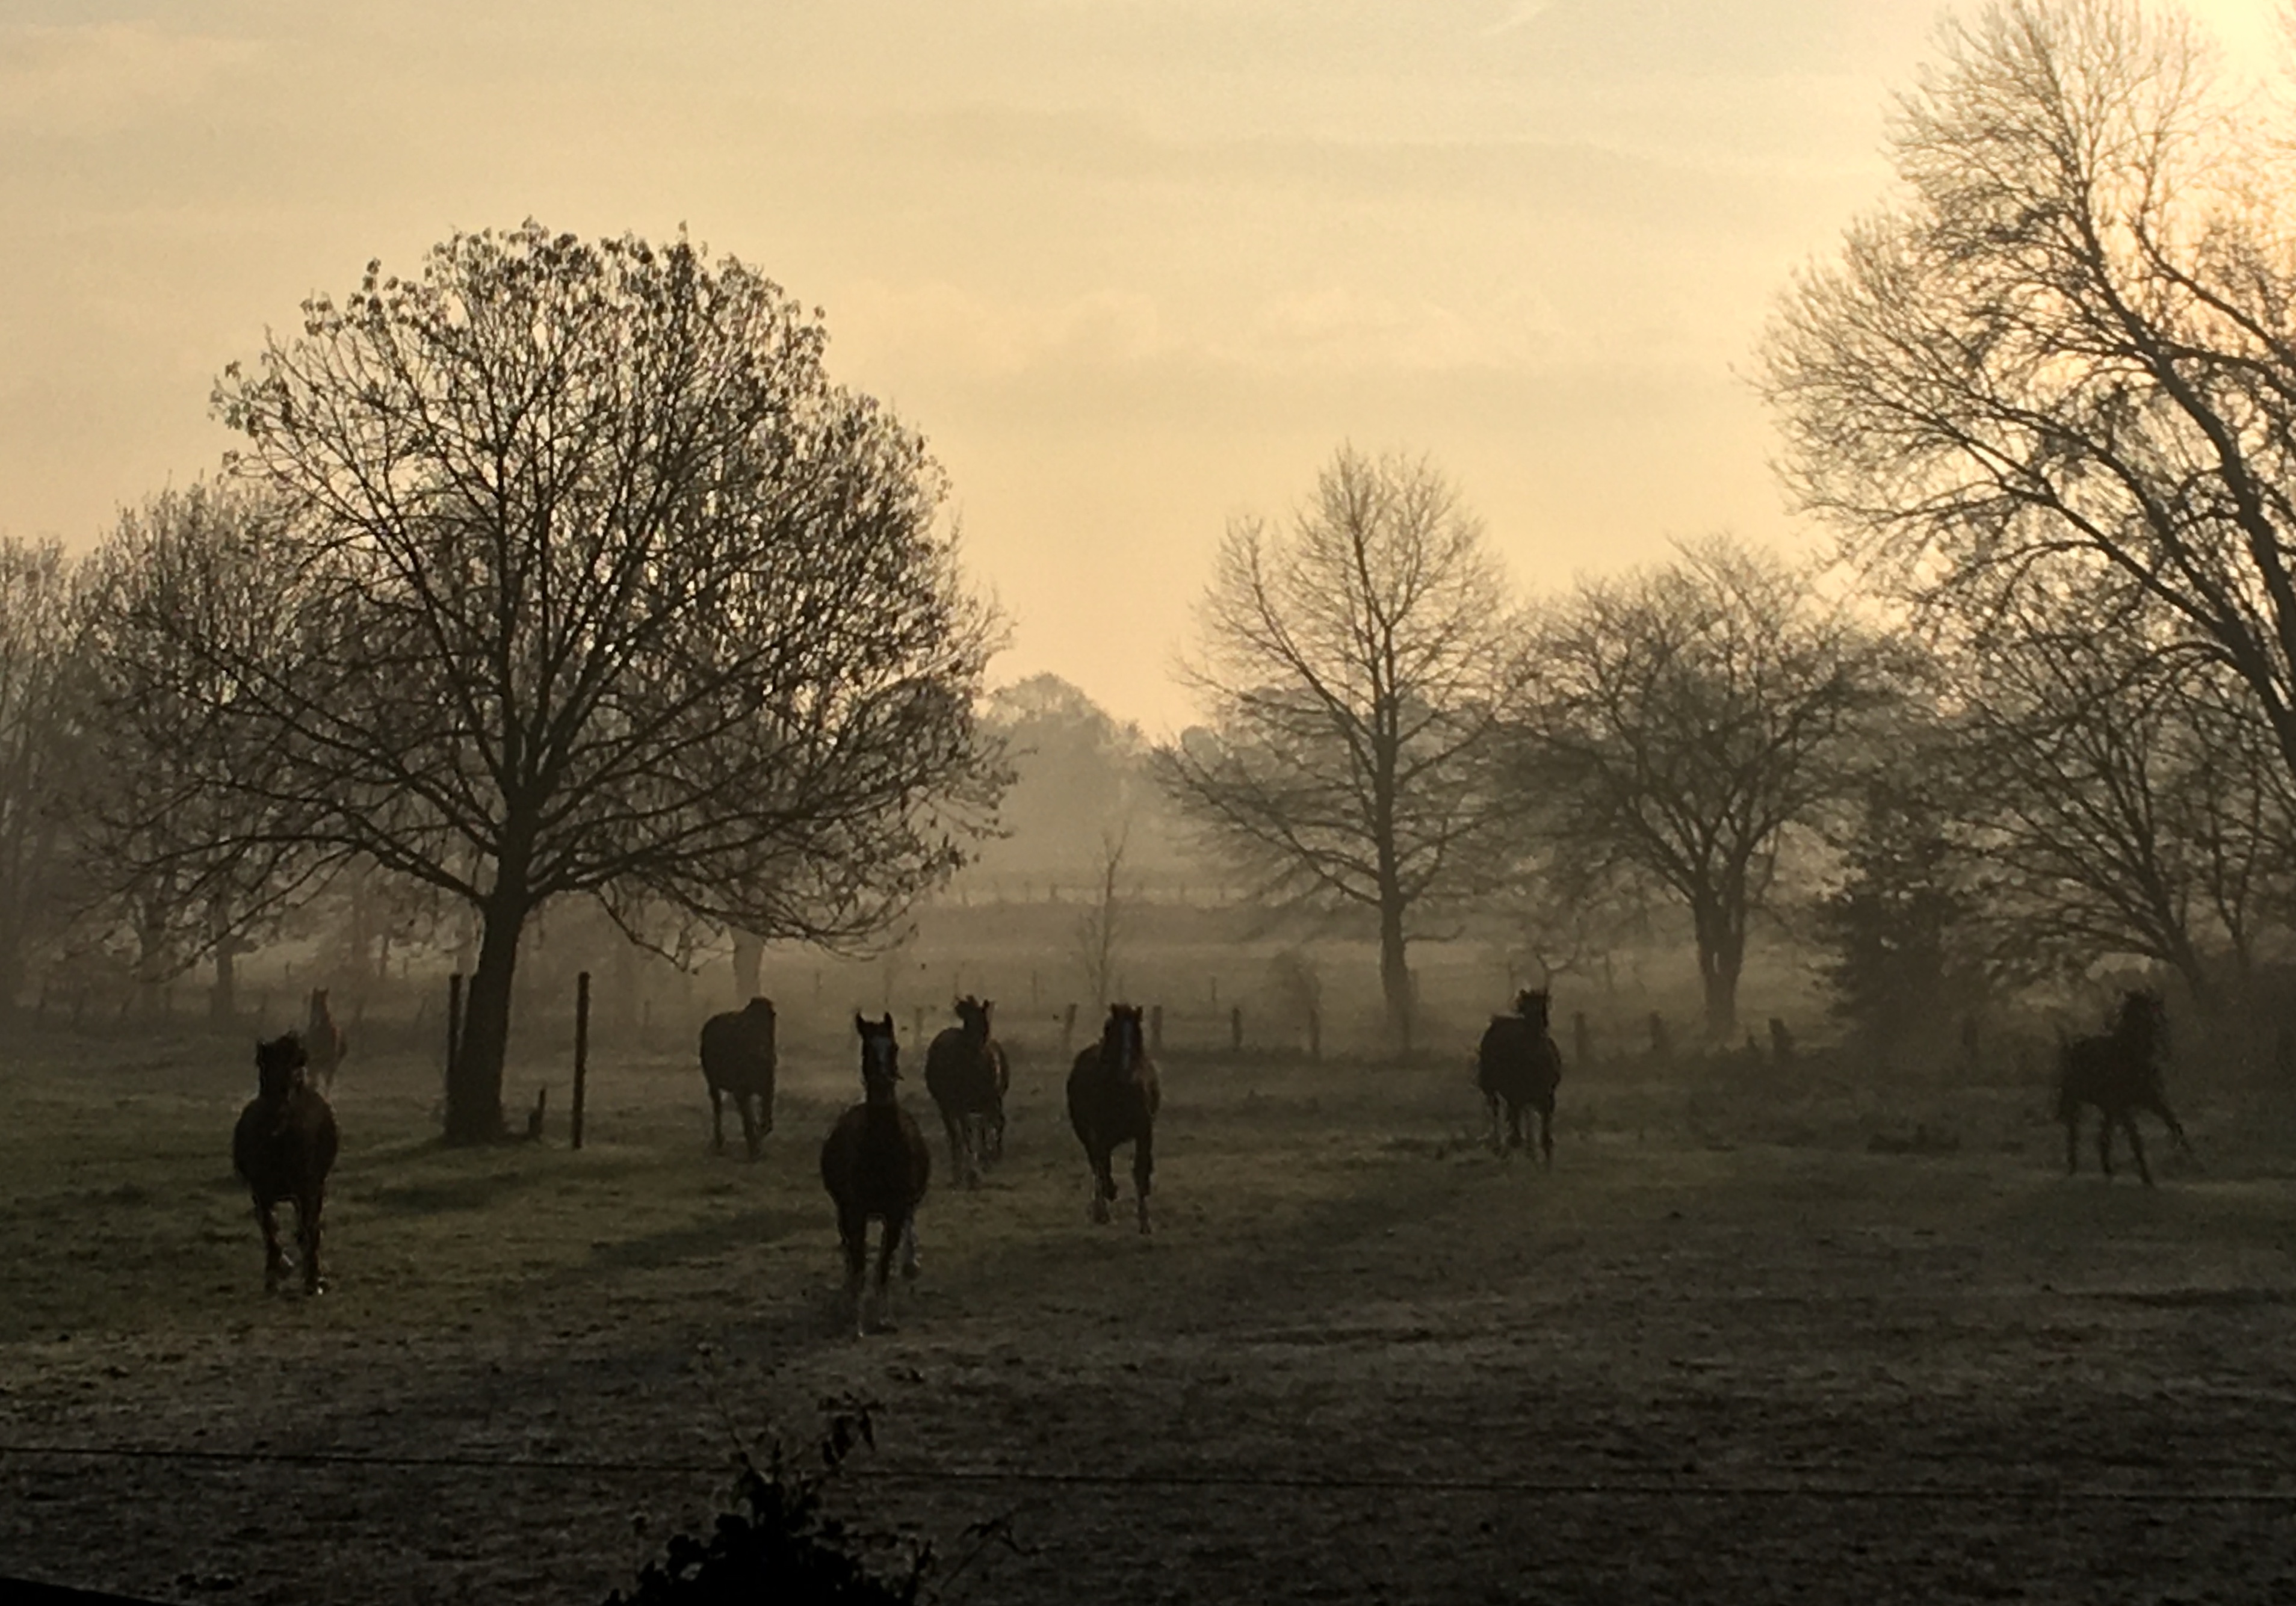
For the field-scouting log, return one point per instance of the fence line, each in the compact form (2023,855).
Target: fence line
(1241,1478)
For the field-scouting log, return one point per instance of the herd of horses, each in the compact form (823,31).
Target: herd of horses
(876,1164)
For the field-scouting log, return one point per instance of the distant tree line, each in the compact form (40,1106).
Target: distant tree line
(562,569)
(2044,714)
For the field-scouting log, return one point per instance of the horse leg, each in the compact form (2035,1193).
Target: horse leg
(2168,1120)
(274,1259)
(896,1232)
(2136,1146)
(751,1138)
(1144,1163)
(1103,1181)
(853,1238)
(1514,1126)
(2104,1143)
(912,1263)
(306,1233)
(1491,1102)
(716,1120)
(1546,1136)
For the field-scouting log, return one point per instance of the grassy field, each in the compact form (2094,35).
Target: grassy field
(1761,1333)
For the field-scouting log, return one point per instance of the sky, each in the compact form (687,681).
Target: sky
(1135,268)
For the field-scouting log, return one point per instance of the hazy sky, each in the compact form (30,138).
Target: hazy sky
(1133,266)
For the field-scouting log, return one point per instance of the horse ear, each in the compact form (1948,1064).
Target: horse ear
(859,1025)
(889,1023)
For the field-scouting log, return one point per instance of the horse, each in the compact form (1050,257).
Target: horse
(2120,1073)
(283,1147)
(965,1072)
(323,1042)
(1518,1065)
(738,1059)
(1112,1099)
(876,1165)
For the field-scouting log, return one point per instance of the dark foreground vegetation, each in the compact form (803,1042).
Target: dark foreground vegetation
(1762,1331)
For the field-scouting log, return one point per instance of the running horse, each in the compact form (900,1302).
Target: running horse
(739,1061)
(2120,1073)
(283,1147)
(1112,1100)
(966,1074)
(875,1164)
(1518,1065)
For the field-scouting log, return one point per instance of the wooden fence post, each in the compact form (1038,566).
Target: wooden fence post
(582,1049)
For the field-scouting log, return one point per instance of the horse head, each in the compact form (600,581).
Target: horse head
(761,1008)
(2143,1021)
(279,1065)
(881,1055)
(1123,1049)
(974,1014)
(1532,1004)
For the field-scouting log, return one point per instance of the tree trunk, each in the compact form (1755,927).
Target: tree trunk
(1394,973)
(474,1081)
(1721,956)
(749,957)
(223,998)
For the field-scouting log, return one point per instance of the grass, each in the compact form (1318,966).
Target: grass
(1721,1272)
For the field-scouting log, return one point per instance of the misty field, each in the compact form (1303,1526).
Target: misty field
(1762,1333)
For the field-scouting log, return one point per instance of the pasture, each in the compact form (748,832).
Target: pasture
(1761,1333)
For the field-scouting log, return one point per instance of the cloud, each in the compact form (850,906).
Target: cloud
(1519,14)
(102,77)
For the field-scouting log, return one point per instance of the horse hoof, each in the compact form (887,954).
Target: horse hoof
(1100,1212)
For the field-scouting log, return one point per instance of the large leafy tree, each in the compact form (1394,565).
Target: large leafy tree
(1353,666)
(587,579)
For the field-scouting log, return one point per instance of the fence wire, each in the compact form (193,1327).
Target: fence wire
(2060,1492)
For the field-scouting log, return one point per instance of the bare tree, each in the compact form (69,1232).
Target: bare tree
(1353,667)
(588,580)
(2118,791)
(1683,721)
(185,835)
(1100,929)
(2065,361)
(41,721)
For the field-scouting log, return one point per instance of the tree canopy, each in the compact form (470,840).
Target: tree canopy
(585,578)
(1353,667)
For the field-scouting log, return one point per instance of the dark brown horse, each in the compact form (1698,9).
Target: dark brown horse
(1112,1100)
(966,1074)
(283,1147)
(323,1042)
(2120,1073)
(738,1061)
(875,1164)
(1518,1066)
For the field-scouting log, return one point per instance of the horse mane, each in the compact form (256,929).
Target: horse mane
(279,1065)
